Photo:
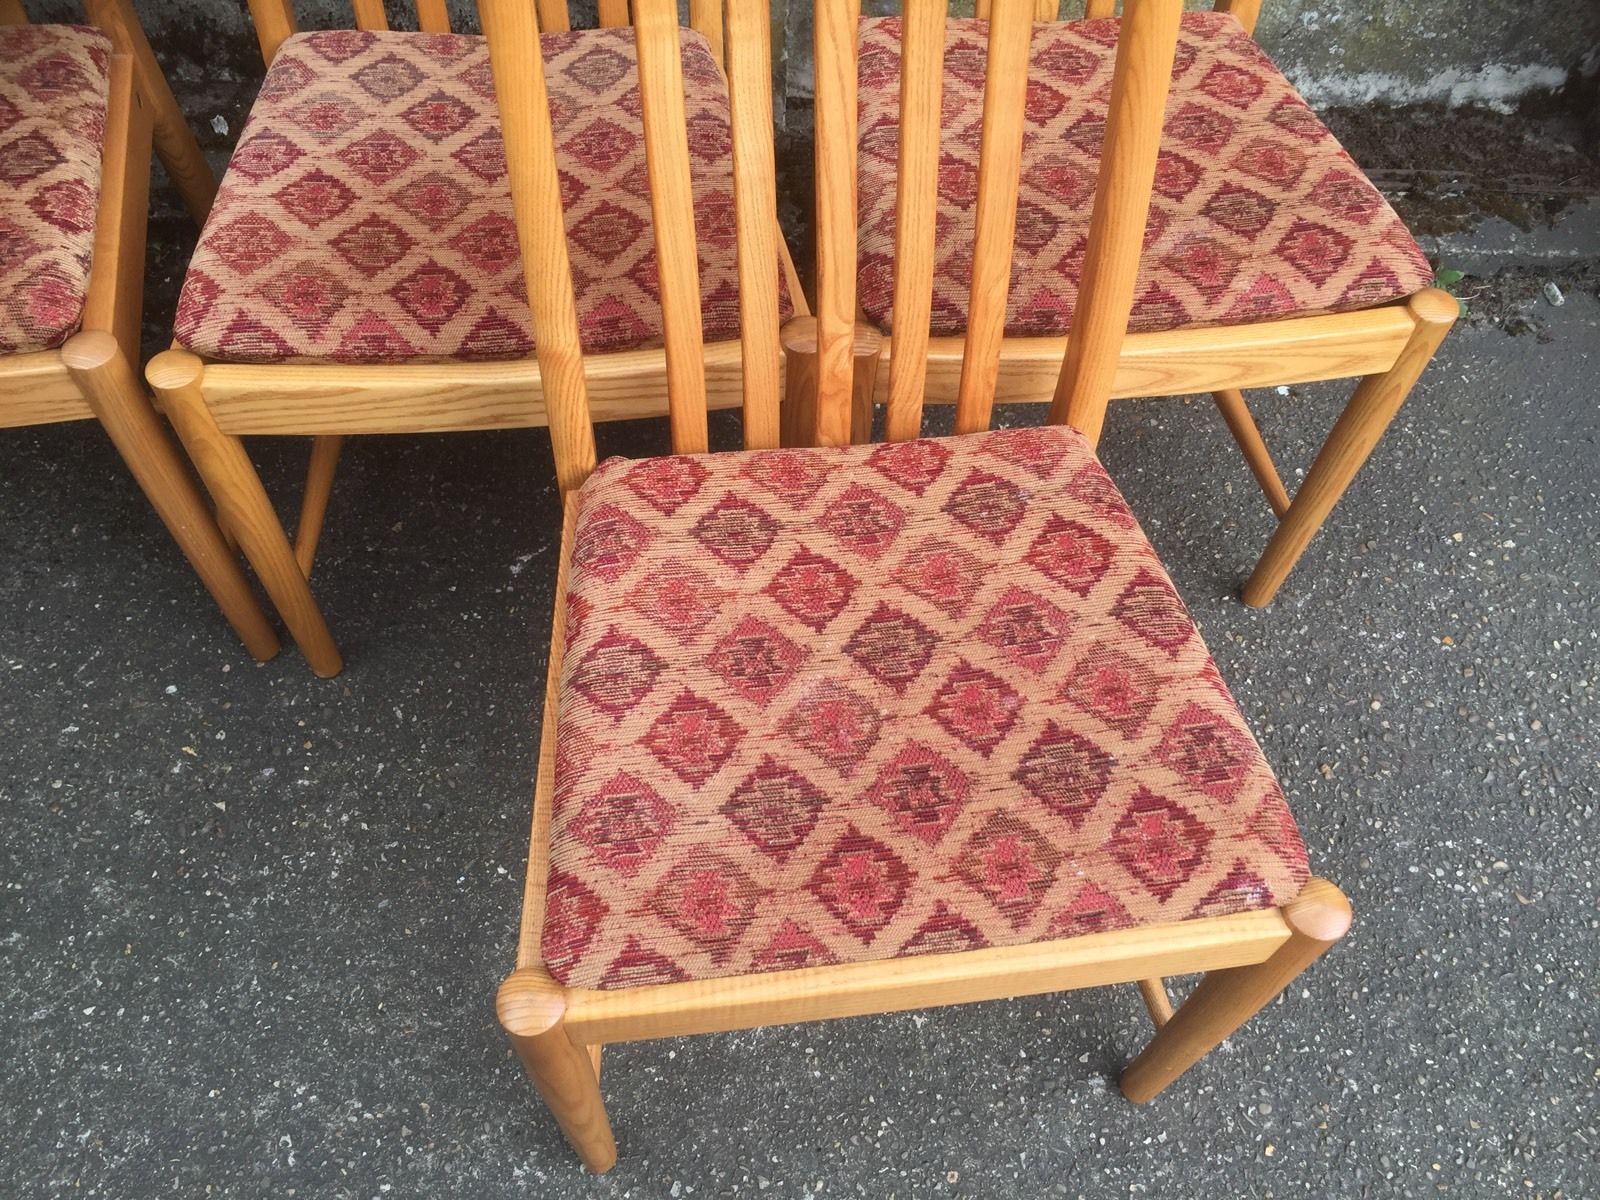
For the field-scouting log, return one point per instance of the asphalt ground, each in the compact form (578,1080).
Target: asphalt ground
(251,922)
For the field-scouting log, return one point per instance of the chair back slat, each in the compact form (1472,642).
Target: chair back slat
(433,16)
(1095,10)
(755,193)
(274,22)
(613,13)
(369,14)
(1246,12)
(666,142)
(836,119)
(518,68)
(1005,94)
(553,16)
(12,13)
(1146,47)
(705,18)
(916,211)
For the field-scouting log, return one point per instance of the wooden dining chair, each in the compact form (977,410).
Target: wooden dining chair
(864,728)
(1269,259)
(359,273)
(79,106)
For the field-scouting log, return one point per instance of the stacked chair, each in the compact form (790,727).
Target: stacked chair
(849,728)
(79,106)
(359,270)
(1269,259)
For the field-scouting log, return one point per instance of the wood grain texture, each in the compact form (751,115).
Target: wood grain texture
(613,13)
(314,500)
(1226,998)
(530,1006)
(175,142)
(37,389)
(369,14)
(835,120)
(1236,414)
(1185,361)
(117,395)
(1142,75)
(552,14)
(995,224)
(666,141)
(706,18)
(916,211)
(1246,12)
(1372,406)
(531,927)
(755,188)
(115,297)
(518,68)
(894,985)
(274,22)
(12,13)
(243,505)
(293,398)
(433,16)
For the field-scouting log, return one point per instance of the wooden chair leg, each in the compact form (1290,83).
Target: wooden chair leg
(1376,400)
(314,501)
(531,1005)
(118,398)
(243,504)
(1236,413)
(1224,1000)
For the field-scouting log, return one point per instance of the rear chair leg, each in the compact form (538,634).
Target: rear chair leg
(243,505)
(1376,400)
(531,1006)
(1224,1000)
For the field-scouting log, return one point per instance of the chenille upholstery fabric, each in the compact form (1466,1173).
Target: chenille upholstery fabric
(828,706)
(54,81)
(1258,213)
(366,215)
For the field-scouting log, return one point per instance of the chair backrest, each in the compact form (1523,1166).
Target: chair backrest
(275,20)
(1146,46)
(512,28)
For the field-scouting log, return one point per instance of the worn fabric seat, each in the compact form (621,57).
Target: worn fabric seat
(54,82)
(1258,212)
(827,706)
(366,217)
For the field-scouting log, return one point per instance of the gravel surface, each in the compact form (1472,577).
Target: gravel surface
(251,922)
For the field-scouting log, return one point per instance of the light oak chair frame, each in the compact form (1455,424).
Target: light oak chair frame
(1386,347)
(94,374)
(558,1032)
(214,405)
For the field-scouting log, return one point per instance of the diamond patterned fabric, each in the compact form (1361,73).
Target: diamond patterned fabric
(366,216)
(54,80)
(827,706)
(1257,214)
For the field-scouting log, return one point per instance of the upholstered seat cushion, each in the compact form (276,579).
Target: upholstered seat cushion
(54,82)
(826,706)
(366,216)
(1258,212)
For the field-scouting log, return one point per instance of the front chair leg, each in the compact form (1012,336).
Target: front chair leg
(243,504)
(1224,1000)
(531,1006)
(1376,400)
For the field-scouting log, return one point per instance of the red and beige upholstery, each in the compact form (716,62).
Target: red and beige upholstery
(53,92)
(829,706)
(1258,212)
(366,217)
